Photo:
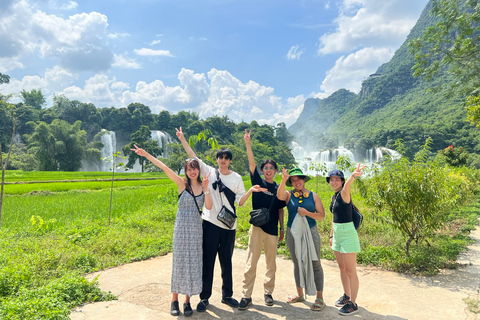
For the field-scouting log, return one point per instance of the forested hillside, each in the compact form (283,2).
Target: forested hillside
(391,104)
(69,133)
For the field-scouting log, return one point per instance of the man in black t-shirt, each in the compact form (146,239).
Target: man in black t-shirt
(266,236)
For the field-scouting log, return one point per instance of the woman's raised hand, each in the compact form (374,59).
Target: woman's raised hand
(285,174)
(247,136)
(179,133)
(358,171)
(205,181)
(139,151)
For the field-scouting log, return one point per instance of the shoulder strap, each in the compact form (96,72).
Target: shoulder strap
(195,199)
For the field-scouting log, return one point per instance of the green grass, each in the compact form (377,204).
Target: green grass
(53,234)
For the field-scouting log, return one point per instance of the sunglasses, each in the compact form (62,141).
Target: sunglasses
(269,168)
(224,157)
(190,159)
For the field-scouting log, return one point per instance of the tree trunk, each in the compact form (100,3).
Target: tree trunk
(407,247)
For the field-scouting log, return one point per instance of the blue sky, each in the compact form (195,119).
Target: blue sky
(250,60)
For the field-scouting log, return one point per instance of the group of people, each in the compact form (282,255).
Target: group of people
(200,232)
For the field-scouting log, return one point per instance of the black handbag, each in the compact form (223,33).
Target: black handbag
(259,217)
(357,217)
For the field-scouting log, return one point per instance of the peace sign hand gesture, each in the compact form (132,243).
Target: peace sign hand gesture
(179,133)
(358,171)
(247,136)
(205,181)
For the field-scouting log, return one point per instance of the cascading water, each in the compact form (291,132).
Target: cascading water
(328,158)
(163,139)
(109,141)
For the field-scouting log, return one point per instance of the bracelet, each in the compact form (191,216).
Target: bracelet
(207,192)
(281,229)
(331,237)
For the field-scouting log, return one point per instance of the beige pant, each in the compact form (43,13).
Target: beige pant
(258,239)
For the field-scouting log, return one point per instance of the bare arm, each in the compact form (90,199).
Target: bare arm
(281,193)
(251,159)
(169,172)
(255,188)
(346,188)
(319,213)
(186,146)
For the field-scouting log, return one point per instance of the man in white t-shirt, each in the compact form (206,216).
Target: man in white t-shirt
(217,237)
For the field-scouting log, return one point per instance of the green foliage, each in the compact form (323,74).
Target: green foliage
(452,44)
(176,158)
(34,98)
(415,197)
(59,145)
(456,157)
(141,139)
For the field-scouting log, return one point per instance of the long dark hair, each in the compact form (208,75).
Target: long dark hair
(194,164)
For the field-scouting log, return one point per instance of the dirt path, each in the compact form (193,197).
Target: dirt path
(143,290)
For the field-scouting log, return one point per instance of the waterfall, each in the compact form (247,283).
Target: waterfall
(162,138)
(17,139)
(109,147)
(374,154)
(328,158)
(392,153)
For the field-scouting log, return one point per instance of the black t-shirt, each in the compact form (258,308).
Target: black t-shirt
(263,200)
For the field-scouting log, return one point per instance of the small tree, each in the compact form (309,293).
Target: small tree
(113,159)
(414,196)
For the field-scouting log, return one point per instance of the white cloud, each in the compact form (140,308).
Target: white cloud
(349,71)
(118,35)
(363,23)
(154,42)
(295,52)
(77,43)
(70,5)
(151,52)
(120,61)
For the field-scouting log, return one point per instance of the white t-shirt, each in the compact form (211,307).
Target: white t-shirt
(233,181)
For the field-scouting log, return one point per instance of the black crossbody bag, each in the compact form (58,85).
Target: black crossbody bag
(259,217)
(225,216)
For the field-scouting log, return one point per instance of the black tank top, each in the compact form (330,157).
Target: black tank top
(342,212)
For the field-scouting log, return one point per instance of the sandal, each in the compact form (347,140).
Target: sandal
(318,305)
(296,298)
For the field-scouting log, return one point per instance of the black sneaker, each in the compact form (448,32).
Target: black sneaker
(174,308)
(245,303)
(268,299)
(202,305)
(187,309)
(230,301)
(342,300)
(348,309)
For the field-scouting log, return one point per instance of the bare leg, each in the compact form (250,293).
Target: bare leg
(350,260)
(343,272)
